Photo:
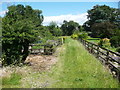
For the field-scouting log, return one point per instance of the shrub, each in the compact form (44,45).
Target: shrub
(104,42)
(74,36)
(118,49)
(19,29)
(83,35)
(115,41)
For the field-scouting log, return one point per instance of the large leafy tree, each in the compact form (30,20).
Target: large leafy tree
(103,29)
(19,30)
(68,28)
(54,29)
(44,34)
(101,14)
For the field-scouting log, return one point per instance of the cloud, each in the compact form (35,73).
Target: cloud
(2,13)
(79,18)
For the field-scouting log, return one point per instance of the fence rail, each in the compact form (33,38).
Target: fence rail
(107,57)
(47,49)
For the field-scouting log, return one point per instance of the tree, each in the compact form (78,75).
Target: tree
(101,14)
(19,30)
(115,39)
(44,34)
(69,27)
(103,29)
(54,29)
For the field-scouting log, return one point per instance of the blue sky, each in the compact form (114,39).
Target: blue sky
(60,8)
(57,11)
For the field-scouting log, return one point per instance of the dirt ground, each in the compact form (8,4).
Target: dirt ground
(32,71)
(36,62)
(41,62)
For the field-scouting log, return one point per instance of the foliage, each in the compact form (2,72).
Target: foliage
(54,29)
(115,41)
(103,29)
(74,36)
(93,40)
(100,14)
(76,32)
(118,49)
(103,22)
(83,35)
(19,30)
(44,34)
(68,28)
(104,42)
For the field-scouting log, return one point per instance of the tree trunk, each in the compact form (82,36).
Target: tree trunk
(25,52)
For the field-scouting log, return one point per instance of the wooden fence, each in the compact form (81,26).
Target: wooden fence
(47,49)
(107,57)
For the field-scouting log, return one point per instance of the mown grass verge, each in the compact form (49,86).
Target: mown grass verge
(79,69)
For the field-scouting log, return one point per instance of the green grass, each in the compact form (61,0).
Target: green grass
(78,69)
(37,47)
(12,81)
(97,40)
(93,40)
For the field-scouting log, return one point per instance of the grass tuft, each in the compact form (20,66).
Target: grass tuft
(14,79)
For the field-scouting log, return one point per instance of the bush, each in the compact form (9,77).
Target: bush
(118,49)
(19,29)
(115,41)
(83,35)
(74,36)
(104,42)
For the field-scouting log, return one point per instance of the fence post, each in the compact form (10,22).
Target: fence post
(107,57)
(97,51)
(83,42)
(88,46)
(118,75)
(30,49)
(91,48)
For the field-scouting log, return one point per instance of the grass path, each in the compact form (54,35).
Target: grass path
(76,68)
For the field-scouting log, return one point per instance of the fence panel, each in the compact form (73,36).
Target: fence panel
(108,57)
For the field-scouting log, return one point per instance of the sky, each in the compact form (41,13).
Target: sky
(60,11)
